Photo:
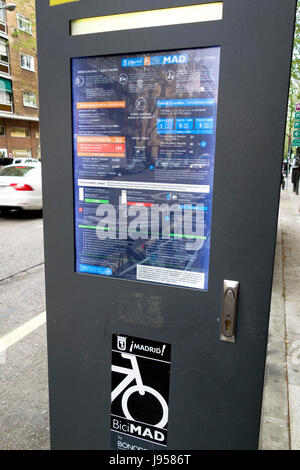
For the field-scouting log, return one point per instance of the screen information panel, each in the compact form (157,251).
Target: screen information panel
(144,133)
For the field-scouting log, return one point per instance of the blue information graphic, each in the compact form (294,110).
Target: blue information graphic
(144,135)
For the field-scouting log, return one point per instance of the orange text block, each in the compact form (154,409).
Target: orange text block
(101,104)
(98,149)
(101,139)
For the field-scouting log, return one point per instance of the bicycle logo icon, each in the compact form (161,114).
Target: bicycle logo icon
(133,374)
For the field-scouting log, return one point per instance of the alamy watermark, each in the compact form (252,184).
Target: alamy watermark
(149,221)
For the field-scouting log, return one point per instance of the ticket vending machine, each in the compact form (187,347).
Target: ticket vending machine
(162,130)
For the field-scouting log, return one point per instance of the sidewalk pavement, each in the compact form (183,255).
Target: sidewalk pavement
(280,424)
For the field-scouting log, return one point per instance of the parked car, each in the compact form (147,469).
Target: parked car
(20,161)
(4,161)
(197,166)
(21,187)
(135,166)
(132,167)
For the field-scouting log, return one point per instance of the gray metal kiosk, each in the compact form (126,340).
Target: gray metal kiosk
(158,341)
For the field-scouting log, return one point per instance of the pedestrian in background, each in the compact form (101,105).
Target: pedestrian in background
(282,182)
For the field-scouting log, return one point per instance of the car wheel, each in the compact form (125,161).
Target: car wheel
(4,211)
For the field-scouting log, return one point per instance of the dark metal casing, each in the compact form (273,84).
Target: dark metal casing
(215,386)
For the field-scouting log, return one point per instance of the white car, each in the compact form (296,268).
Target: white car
(21,187)
(20,161)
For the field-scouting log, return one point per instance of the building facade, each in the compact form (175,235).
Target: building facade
(19,113)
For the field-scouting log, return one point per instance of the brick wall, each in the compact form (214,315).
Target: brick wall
(20,143)
(22,81)
(22,42)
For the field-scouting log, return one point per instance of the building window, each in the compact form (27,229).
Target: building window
(4,56)
(2,13)
(20,132)
(29,99)
(3,26)
(24,24)
(3,50)
(6,98)
(27,62)
(2,130)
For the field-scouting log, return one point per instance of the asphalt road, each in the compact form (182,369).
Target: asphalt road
(24,420)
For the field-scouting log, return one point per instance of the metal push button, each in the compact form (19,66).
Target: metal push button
(229,312)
